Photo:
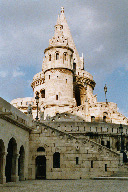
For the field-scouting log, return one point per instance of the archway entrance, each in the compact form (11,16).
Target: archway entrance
(40,167)
(77,96)
(10,169)
(2,149)
(21,164)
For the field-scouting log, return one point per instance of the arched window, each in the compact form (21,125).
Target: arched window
(50,57)
(37,93)
(104,118)
(92,118)
(57,56)
(56,97)
(64,57)
(41,149)
(56,160)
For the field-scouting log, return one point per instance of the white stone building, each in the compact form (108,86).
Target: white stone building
(76,136)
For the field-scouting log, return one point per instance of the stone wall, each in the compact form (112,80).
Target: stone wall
(91,162)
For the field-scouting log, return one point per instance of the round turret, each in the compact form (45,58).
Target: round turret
(58,70)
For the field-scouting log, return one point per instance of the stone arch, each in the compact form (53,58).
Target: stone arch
(21,162)
(105,115)
(79,94)
(2,155)
(40,149)
(11,161)
(40,167)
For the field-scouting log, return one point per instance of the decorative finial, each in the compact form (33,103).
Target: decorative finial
(105,90)
(62,9)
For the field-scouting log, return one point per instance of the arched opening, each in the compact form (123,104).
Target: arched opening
(50,57)
(57,56)
(41,149)
(56,160)
(77,96)
(10,169)
(64,57)
(2,149)
(104,118)
(21,163)
(92,118)
(40,167)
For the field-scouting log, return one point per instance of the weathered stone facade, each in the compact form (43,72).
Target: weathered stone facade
(76,136)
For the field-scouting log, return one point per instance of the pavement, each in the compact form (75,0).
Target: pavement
(83,185)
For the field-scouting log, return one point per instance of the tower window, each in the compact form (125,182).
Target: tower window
(49,76)
(56,97)
(92,118)
(57,56)
(104,118)
(74,66)
(50,57)
(66,80)
(77,160)
(64,57)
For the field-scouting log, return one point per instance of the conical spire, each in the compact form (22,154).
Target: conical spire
(67,33)
(58,20)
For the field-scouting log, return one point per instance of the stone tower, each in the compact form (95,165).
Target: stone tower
(58,70)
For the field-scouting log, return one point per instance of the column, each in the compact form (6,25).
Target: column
(2,167)
(14,175)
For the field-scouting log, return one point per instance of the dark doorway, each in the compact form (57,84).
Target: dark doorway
(77,96)
(40,167)
(21,164)
(10,169)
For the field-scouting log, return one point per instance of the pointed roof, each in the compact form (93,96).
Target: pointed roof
(67,33)
(58,20)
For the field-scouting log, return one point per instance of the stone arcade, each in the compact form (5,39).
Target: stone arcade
(76,137)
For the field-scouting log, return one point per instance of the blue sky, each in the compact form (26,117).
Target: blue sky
(99,29)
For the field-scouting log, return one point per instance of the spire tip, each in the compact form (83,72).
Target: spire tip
(62,9)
